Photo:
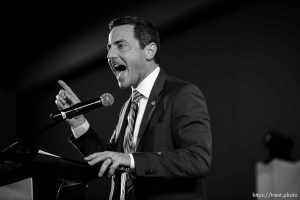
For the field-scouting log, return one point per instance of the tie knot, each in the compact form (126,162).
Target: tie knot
(136,96)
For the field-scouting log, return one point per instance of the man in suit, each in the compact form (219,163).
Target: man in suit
(163,136)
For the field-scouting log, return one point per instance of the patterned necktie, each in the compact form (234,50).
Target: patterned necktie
(129,146)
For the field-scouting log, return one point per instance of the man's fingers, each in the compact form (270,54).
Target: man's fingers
(97,157)
(112,159)
(59,104)
(68,93)
(113,168)
(72,97)
(96,160)
(111,171)
(91,156)
(104,167)
(115,165)
(62,93)
(98,154)
(61,99)
(65,86)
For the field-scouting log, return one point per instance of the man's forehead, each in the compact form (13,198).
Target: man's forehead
(122,32)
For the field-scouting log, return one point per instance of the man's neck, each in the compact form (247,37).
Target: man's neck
(150,68)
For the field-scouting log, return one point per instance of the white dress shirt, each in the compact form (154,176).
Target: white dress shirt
(144,88)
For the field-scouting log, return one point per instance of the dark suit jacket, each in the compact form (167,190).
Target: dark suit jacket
(174,145)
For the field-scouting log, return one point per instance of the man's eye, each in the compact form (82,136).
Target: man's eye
(121,45)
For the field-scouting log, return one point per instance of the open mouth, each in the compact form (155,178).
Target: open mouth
(119,68)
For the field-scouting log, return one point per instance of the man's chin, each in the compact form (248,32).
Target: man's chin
(123,85)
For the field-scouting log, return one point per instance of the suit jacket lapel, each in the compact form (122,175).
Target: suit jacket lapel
(121,127)
(152,103)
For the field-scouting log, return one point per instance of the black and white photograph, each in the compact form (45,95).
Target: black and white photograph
(150,100)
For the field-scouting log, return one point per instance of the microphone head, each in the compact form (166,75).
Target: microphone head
(107,99)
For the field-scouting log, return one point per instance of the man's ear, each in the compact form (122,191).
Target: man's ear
(150,51)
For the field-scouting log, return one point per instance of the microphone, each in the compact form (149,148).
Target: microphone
(105,100)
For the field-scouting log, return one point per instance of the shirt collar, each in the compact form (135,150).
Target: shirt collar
(146,85)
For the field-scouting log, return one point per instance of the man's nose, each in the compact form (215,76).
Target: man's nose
(111,53)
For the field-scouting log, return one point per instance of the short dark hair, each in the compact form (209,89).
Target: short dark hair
(144,31)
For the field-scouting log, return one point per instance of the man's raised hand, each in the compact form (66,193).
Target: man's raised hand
(66,98)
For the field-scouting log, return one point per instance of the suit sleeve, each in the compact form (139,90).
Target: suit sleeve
(192,138)
(90,143)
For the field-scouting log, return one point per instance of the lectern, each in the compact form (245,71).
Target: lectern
(49,173)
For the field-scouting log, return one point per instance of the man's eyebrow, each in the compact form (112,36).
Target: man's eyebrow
(115,43)
(119,41)
(108,46)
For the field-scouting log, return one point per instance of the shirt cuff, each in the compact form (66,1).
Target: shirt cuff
(132,164)
(80,130)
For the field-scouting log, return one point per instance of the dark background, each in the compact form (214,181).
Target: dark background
(243,55)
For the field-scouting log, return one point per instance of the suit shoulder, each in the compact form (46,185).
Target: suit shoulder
(176,85)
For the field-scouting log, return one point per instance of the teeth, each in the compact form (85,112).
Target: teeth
(119,67)
(115,65)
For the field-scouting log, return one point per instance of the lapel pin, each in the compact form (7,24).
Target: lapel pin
(153,103)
